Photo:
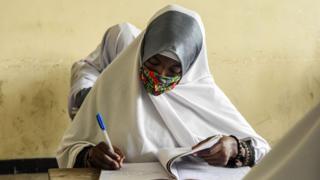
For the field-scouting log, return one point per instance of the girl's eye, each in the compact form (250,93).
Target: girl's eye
(154,61)
(175,70)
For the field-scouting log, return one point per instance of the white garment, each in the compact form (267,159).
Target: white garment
(140,124)
(296,156)
(85,72)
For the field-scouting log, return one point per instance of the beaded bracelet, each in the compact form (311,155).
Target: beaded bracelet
(245,156)
(250,155)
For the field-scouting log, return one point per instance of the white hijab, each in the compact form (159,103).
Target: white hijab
(140,124)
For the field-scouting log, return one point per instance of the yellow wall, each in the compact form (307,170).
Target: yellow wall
(265,55)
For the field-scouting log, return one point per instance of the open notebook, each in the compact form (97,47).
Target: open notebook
(176,163)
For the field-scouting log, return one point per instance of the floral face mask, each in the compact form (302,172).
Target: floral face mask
(156,84)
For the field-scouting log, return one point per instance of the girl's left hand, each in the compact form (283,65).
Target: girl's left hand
(220,153)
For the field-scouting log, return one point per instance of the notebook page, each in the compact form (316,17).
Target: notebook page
(136,171)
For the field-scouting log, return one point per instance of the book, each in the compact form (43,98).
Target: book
(177,163)
(168,157)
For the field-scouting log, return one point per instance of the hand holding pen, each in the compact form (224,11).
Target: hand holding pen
(104,155)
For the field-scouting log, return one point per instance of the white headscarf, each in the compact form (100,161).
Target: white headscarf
(140,124)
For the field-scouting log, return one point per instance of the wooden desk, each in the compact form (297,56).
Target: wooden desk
(28,176)
(74,174)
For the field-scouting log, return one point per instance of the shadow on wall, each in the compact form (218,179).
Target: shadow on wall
(33,105)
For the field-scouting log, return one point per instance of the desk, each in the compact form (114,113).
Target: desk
(29,176)
(74,174)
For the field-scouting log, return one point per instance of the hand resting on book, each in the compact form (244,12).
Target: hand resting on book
(220,153)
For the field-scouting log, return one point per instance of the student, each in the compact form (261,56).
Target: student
(157,93)
(85,72)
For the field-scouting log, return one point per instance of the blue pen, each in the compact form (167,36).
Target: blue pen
(104,129)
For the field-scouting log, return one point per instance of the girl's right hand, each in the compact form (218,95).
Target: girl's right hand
(101,157)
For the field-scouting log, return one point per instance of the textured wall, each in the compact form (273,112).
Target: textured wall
(264,55)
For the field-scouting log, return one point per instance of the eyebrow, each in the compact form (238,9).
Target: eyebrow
(157,58)
(177,65)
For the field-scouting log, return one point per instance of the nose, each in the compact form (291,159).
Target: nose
(162,71)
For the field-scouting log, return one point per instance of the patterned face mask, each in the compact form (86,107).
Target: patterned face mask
(156,84)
